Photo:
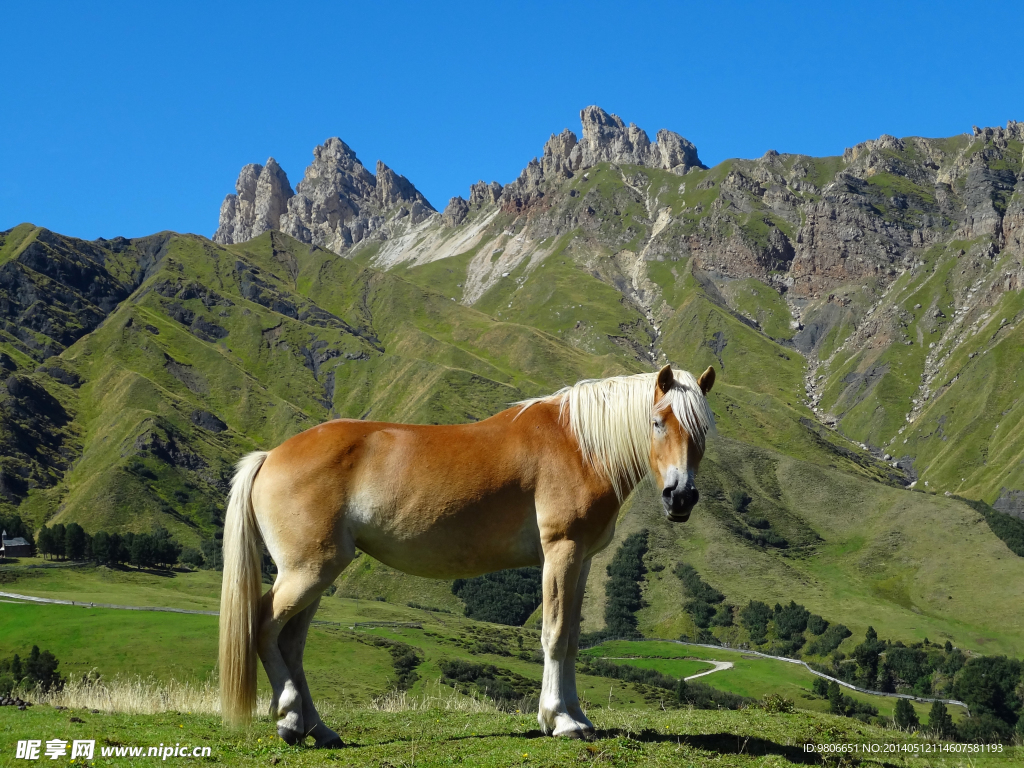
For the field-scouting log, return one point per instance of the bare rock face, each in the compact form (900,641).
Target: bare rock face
(557,160)
(262,194)
(339,202)
(606,139)
(481,194)
(455,212)
(676,153)
(394,190)
(326,208)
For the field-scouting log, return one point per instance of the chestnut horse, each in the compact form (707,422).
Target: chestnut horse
(538,484)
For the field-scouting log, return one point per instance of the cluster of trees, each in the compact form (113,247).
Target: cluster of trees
(762,534)
(939,725)
(788,624)
(39,669)
(992,686)
(828,639)
(921,669)
(501,685)
(706,604)
(505,597)
(841,704)
(143,550)
(404,659)
(622,591)
(693,694)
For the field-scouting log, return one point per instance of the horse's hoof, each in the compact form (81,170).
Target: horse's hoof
(335,743)
(289,736)
(570,728)
(574,733)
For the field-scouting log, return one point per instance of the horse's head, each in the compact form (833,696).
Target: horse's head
(675,452)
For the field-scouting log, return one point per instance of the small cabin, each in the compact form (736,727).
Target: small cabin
(16,547)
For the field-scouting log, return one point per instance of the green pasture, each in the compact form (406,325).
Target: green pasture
(625,737)
(751,676)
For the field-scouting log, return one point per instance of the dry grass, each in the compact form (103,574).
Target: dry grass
(138,696)
(440,696)
(437,697)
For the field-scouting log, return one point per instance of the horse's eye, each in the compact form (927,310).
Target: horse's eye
(657,423)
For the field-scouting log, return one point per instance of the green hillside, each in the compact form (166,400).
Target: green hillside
(863,314)
(216,350)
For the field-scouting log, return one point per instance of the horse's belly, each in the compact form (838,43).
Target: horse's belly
(446,543)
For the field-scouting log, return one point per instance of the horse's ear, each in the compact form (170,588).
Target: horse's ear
(665,379)
(707,380)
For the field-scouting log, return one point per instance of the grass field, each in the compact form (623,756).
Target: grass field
(437,738)
(348,673)
(751,676)
(344,668)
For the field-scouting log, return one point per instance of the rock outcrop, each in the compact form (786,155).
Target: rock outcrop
(262,194)
(455,212)
(338,203)
(481,194)
(606,139)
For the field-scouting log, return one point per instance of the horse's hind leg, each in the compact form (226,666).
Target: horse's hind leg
(292,643)
(293,592)
(563,567)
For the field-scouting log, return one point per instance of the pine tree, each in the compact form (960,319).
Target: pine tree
(939,721)
(74,542)
(681,692)
(820,687)
(835,699)
(905,717)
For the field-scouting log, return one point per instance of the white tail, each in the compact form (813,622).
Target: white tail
(240,596)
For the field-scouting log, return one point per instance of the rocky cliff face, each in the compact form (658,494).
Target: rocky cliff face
(606,139)
(338,203)
(262,194)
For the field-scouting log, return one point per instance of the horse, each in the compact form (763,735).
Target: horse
(538,484)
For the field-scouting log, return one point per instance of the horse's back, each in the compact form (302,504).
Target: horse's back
(432,500)
(439,501)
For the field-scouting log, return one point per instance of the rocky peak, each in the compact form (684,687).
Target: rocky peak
(481,194)
(606,139)
(557,160)
(885,141)
(677,154)
(338,203)
(261,196)
(1014,130)
(393,189)
(455,212)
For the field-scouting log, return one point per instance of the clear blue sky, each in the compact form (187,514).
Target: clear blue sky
(130,118)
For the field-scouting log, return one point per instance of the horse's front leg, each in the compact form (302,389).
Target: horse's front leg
(559,712)
(572,699)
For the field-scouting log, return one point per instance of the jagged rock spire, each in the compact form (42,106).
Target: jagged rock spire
(262,194)
(606,139)
(338,202)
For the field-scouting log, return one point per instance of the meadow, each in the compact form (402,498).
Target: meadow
(353,680)
(626,737)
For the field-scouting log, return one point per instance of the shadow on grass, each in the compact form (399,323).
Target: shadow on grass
(720,743)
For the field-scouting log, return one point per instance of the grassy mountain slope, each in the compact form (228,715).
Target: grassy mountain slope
(222,350)
(853,307)
(858,552)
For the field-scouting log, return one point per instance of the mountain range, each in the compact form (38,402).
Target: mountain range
(863,312)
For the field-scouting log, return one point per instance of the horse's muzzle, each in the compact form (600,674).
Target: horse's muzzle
(679,501)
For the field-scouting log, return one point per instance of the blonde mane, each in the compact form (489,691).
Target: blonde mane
(611,420)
